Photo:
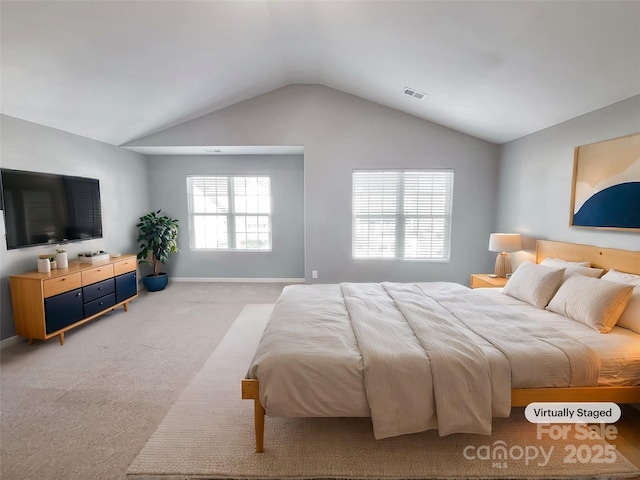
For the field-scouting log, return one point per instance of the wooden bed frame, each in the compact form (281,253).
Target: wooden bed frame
(621,260)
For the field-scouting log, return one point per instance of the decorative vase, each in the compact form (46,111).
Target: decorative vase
(155,283)
(62,260)
(44,265)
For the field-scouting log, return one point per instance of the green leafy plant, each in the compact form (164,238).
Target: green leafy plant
(158,237)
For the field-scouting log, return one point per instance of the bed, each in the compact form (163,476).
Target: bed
(359,350)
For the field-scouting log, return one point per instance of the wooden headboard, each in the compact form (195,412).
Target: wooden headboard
(621,260)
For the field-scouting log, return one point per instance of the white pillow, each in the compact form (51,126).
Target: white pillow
(630,318)
(586,271)
(594,302)
(533,283)
(573,268)
(557,262)
(622,277)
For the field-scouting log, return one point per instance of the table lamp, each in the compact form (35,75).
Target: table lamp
(504,243)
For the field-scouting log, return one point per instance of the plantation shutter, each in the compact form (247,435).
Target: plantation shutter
(402,214)
(229,212)
(209,211)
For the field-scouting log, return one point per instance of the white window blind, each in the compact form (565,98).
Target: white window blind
(229,212)
(402,214)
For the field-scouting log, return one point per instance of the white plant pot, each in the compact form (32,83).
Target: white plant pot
(44,265)
(62,260)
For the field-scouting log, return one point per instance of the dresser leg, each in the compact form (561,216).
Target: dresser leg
(61,336)
(126,307)
(30,341)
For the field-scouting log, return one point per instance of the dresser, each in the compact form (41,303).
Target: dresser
(48,304)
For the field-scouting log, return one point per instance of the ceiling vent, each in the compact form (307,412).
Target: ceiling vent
(414,93)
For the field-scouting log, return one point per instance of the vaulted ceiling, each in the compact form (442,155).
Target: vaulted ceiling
(118,70)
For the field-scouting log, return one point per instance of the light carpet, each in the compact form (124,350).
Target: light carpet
(208,434)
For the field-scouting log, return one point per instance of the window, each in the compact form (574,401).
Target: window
(402,214)
(229,212)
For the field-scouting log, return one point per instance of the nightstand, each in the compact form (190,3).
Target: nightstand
(483,280)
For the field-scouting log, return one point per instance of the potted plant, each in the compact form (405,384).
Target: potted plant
(158,237)
(61,258)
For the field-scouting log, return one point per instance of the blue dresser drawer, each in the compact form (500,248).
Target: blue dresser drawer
(63,310)
(99,289)
(96,306)
(126,286)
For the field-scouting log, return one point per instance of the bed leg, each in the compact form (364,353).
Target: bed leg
(259,422)
(251,391)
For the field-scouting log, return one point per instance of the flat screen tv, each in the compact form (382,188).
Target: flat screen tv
(43,208)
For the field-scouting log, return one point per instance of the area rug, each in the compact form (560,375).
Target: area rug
(208,434)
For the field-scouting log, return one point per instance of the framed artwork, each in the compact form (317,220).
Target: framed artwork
(606,184)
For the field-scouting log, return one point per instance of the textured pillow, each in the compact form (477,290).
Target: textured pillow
(533,283)
(573,268)
(594,302)
(630,318)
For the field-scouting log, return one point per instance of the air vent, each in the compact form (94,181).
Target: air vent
(414,93)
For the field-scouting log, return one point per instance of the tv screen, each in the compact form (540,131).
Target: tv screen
(43,208)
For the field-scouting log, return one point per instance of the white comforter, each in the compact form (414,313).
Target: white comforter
(412,356)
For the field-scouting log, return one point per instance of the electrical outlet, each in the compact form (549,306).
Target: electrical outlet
(314,273)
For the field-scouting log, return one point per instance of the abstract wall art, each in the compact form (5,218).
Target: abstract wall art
(606,184)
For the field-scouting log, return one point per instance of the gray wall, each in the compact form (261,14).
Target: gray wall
(527,182)
(123,189)
(167,175)
(536,174)
(340,133)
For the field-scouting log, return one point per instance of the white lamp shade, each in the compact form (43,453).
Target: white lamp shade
(505,242)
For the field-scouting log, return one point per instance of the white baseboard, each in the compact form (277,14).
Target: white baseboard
(8,342)
(237,280)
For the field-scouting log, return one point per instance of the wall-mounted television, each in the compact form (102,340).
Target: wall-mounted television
(43,208)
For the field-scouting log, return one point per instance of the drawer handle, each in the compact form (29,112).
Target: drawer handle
(99,288)
(79,294)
